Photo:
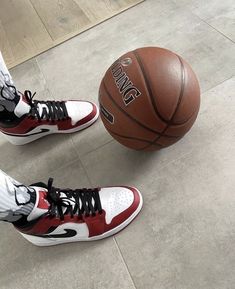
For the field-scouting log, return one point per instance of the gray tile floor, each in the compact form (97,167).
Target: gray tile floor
(184,238)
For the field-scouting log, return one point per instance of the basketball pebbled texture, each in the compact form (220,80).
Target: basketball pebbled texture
(149,98)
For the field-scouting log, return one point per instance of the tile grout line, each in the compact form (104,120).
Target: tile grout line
(101,146)
(127,269)
(204,21)
(82,165)
(91,151)
(43,75)
(221,82)
(42,21)
(86,173)
(63,166)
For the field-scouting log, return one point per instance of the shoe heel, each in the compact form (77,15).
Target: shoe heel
(15,140)
(19,140)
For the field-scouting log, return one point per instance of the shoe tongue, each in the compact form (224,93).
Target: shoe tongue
(22,107)
(41,206)
(41,108)
(71,201)
(67,201)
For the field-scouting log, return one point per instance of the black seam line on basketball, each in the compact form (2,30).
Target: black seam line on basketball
(181,89)
(149,90)
(132,118)
(178,103)
(182,123)
(148,87)
(190,118)
(134,138)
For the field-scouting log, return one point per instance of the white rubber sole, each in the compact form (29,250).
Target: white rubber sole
(53,241)
(19,140)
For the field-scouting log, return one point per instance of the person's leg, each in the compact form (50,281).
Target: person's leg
(24,119)
(16,200)
(10,105)
(5,76)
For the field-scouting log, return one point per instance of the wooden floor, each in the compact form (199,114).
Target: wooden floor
(29,27)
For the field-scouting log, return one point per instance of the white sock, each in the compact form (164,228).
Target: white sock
(16,200)
(11,102)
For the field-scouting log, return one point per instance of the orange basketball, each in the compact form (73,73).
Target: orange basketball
(149,98)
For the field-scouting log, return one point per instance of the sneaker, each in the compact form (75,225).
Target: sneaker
(40,118)
(65,215)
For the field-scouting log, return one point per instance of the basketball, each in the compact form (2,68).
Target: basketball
(149,98)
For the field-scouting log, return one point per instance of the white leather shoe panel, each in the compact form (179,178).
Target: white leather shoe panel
(115,200)
(77,110)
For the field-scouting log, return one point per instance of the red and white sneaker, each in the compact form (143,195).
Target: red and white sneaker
(40,118)
(62,216)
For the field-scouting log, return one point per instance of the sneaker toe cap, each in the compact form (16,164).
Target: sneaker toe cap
(119,203)
(81,111)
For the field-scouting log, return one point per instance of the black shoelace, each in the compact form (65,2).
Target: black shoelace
(76,202)
(54,110)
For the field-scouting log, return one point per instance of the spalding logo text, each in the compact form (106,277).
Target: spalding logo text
(123,83)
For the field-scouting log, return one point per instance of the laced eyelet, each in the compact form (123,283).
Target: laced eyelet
(79,203)
(54,110)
